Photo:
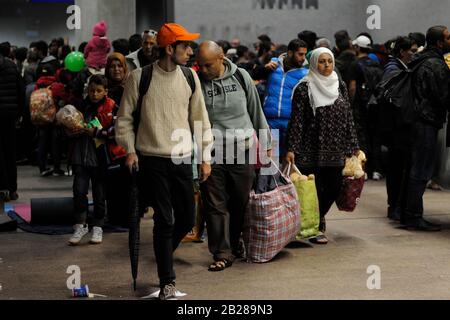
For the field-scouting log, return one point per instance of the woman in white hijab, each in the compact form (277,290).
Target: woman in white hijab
(321,131)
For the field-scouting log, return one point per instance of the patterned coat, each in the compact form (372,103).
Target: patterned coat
(323,140)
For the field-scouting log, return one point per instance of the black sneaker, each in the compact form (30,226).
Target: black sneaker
(168,292)
(58,173)
(422,225)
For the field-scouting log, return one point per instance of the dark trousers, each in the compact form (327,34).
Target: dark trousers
(423,156)
(49,140)
(82,176)
(8,169)
(398,167)
(396,178)
(374,155)
(328,184)
(170,188)
(117,189)
(225,196)
(369,136)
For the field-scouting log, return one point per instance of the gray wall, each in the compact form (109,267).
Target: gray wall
(22,22)
(153,14)
(119,14)
(246,19)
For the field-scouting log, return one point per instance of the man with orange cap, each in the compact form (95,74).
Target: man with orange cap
(160,145)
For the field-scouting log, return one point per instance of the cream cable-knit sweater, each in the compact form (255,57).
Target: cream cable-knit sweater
(167,117)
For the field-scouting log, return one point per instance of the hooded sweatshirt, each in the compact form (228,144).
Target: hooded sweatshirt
(230,108)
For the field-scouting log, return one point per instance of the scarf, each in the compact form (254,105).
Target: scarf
(323,91)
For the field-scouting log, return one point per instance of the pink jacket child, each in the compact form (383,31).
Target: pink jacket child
(97,50)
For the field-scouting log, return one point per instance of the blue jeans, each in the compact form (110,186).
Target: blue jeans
(423,156)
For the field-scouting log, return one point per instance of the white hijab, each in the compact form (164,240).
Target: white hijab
(323,91)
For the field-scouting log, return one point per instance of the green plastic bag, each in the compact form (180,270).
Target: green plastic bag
(309,205)
(95,123)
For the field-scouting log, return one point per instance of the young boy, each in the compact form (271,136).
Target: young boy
(86,160)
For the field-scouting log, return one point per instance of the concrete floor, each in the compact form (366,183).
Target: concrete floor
(414,265)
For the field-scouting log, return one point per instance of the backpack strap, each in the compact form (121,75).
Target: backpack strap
(189,77)
(240,78)
(144,85)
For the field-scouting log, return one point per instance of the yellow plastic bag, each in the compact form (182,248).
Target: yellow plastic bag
(309,202)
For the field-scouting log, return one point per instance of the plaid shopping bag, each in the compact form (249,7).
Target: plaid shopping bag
(350,193)
(272,221)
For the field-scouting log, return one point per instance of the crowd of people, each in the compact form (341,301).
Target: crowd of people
(307,103)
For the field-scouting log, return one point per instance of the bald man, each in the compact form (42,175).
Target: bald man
(235,112)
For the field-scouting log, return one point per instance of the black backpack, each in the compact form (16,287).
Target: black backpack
(144,85)
(397,98)
(373,73)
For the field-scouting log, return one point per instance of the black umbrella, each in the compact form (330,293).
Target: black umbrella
(135,227)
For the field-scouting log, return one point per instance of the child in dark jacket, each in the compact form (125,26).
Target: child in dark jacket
(87,160)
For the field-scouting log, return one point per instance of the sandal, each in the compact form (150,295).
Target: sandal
(220,265)
(320,239)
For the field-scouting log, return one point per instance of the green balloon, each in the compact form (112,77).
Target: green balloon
(74,61)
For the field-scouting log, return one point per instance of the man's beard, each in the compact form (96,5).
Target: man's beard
(175,61)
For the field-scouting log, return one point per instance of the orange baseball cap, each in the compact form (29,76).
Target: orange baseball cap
(172,32)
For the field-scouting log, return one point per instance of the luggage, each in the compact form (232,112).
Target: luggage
(272,219)
(52,211)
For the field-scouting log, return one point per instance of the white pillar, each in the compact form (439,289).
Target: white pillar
(119,14)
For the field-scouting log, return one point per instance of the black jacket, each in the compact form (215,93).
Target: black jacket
(12,90)
(431,84)
(83,151)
